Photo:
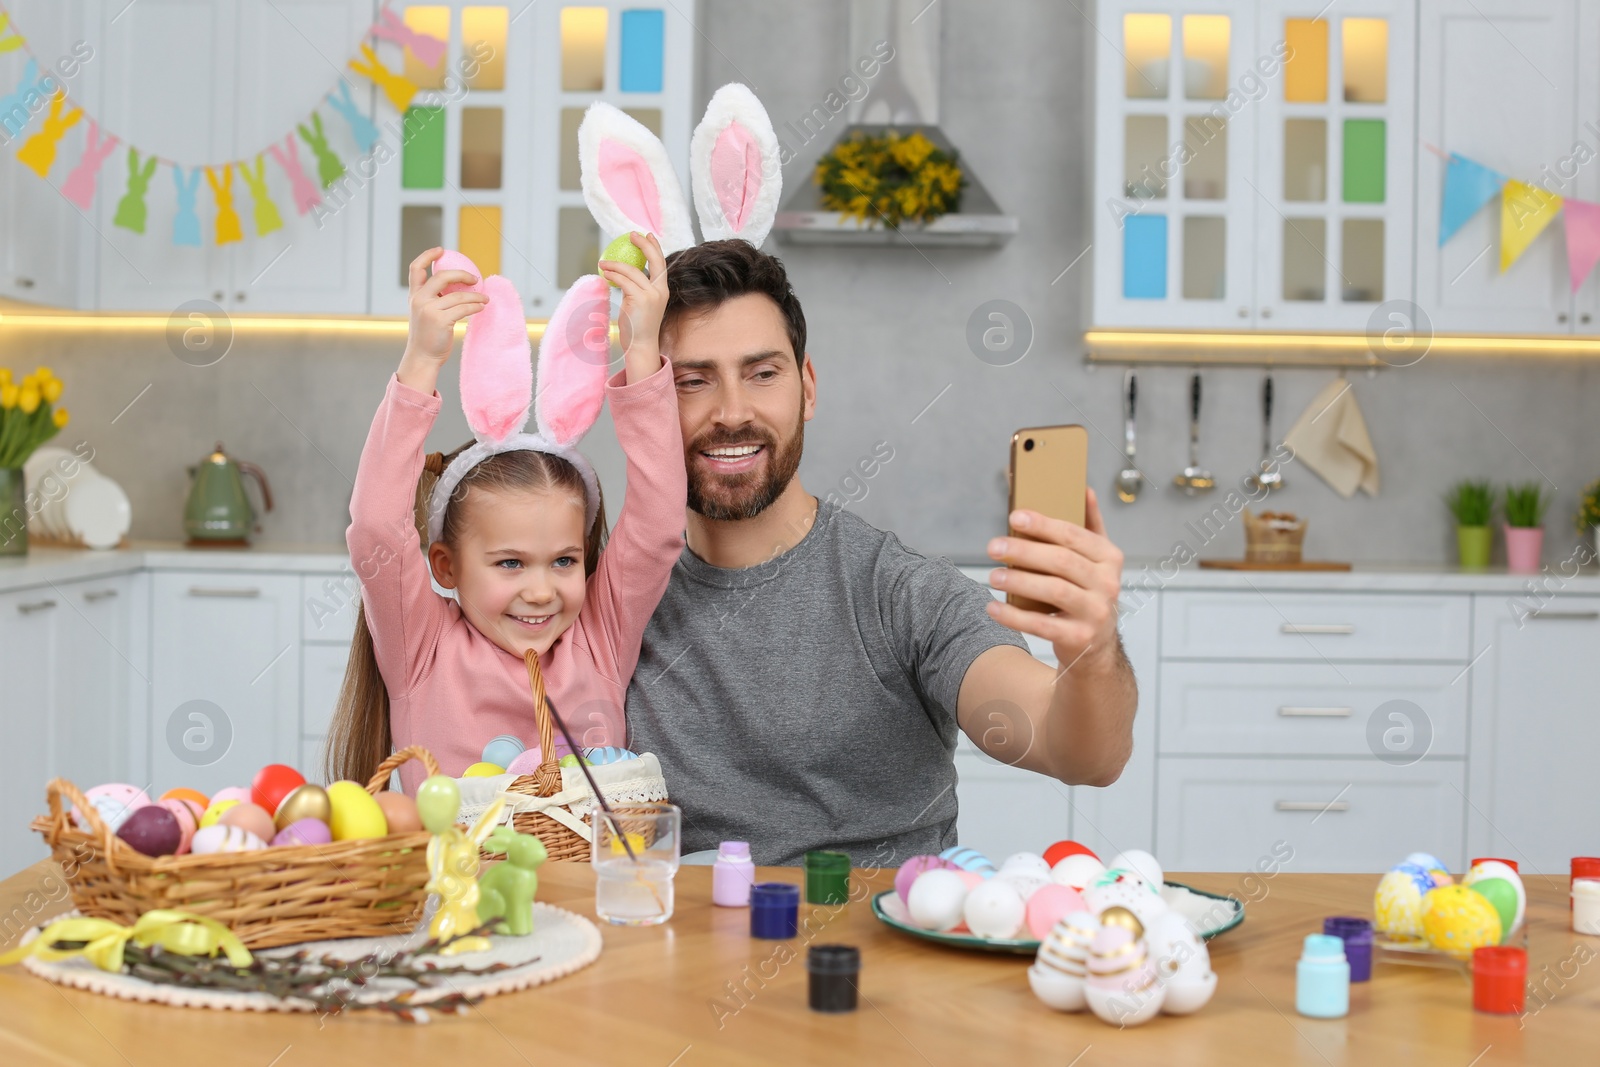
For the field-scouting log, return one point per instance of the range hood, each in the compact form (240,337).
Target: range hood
(903,95)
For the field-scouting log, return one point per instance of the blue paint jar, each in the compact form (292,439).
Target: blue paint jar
(1322,979)
(774,910)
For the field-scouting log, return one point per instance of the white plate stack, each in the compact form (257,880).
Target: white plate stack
(74,503)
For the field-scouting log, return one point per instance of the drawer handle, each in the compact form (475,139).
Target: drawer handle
(37,605)
(1313,805)
(1540,613)
(99,594)
(1291,712)
(1318,628)
(203,590)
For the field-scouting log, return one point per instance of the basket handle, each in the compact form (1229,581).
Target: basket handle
(58,787)
(380,777)
(541,714)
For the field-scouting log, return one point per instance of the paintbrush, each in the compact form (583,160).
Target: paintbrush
(531,657)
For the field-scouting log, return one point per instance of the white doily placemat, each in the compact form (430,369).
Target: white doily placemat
(560,944)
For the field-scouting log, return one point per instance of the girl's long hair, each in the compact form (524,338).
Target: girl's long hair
(359,737)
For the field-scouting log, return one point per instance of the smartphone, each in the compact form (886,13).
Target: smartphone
(1049,474)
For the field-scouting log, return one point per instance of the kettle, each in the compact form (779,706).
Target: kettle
(218,511)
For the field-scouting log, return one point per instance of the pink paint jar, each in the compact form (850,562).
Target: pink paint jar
(732,875)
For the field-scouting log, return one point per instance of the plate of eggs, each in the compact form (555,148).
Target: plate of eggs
(962,899)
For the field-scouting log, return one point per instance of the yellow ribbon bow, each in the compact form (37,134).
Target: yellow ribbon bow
(176,931)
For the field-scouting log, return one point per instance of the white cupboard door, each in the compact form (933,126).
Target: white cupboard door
(322,678)
(168,91)
(291,54)
(1005,810)
(226,673)
(1498,86)
(96,672)
(1174,151)
(1534,731)
(30,643)
(1122,815)
(1576,169)
(1332,187)
(48,249)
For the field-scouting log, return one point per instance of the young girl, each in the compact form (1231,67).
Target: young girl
(516,524)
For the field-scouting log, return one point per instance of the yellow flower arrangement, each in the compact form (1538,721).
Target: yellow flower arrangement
(890,178)
(28,414)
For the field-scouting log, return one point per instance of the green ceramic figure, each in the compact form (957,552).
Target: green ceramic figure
(506,890)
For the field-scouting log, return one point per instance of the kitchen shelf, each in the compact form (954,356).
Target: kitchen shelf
(1345,350)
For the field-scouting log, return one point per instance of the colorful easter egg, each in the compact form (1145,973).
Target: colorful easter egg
(526,763)
(1140,862)
(482,770)
(152,830)
(1426,860)
(400,812)
(1487,871)
(1397,905)
(303,832)
(994,909)
(356,816)
(968,859)
(911,868)
(1457,919)
(623,250)
(1078,870)
(502,750)
(233,792)
(310,801)
(1062,849)
(438,802)
(188,817)
(252,817)
(215,812)
(1125,876)
(199,799)
(113,802)
(1060,967)
(1131,897)
(272,783)
(1123,988)
(599,757)
(1050,905)
(219,838)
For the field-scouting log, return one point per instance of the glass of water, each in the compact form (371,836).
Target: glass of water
(635,890)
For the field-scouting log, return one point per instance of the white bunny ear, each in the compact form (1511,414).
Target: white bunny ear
(628,181)
(734,167)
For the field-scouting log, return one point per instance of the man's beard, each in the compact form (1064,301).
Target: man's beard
(731,497)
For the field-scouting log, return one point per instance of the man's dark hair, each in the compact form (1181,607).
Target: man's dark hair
(705,276)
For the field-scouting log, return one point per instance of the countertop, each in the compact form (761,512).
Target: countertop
(700,991)
(44,565)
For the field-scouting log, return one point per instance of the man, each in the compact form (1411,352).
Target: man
(804,676)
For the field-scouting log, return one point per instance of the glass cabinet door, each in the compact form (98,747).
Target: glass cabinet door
(1335,157)
(1174,142)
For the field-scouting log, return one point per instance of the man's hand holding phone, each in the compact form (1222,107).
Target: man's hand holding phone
(1076,571)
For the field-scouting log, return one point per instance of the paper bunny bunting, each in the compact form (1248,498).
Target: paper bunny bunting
(498,388)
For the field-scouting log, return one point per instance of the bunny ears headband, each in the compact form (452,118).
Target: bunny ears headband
(629,184)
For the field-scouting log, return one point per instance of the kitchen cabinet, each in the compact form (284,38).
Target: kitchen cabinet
(1509,84)
(48,251)
(225,676)
(489,162)
(1534,792)
(1253,163)
(30,642)
(197,82)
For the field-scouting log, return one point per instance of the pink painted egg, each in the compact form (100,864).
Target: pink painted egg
(304,832)
(252,817)
(916,865)
(114,802)
(188,821)
(1050,905)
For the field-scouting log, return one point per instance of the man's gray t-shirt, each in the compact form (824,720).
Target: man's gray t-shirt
(810,701)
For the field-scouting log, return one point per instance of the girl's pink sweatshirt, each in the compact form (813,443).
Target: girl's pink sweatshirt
(451,688)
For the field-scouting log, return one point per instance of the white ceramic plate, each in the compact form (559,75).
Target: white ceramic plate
(97,511)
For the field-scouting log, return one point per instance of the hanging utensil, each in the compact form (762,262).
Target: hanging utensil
(1267,477)
(1130,479)
(1195,479)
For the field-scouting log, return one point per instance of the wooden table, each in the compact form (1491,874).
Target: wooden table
(700,991)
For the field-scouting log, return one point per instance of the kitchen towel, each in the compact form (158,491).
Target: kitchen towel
(1331,438)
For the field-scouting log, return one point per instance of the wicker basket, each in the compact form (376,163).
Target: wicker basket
(561,841)
(273,896)
(1273,537)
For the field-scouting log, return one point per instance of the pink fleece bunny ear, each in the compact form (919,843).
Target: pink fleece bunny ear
(628,181)
(496,358)
(574,355)
(734,167)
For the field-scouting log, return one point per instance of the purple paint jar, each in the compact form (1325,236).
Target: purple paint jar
(1357,937)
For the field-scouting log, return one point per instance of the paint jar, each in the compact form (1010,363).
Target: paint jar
(827,877)
(1499,979)
(1586,906)
(835,971)
(774,910)
(732,875)
(1357,937)
(1322,979)
(1582,867)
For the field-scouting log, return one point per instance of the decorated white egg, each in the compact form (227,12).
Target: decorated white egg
(1024,880)
(113,802)
(936,900)
(994,909)
(1078,871)
(968,859)
(1140,862)
(221,837)
(1027,861)
(1481,877)
(1182,962)
(1060,967)
(1118,898)
(1122,988)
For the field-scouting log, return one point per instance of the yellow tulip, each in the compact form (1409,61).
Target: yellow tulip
(43,373)
(5,375)
(8,396)
(52,390)
(59,416)
(29,399)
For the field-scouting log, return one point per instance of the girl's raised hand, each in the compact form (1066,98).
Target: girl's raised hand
(434,314)
(644,301)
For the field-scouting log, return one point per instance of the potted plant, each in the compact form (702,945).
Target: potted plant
(28,418)
(1588,520)
(1472,504)
(1525,507)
